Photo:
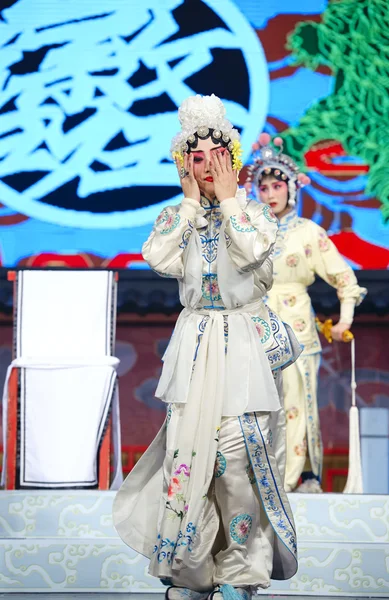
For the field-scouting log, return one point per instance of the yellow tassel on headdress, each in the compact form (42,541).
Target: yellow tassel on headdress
(178,156)
(236,152)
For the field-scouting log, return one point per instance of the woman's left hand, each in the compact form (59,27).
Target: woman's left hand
(224,178)
(338,330)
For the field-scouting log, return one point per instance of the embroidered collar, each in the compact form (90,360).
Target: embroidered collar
(289,219)
(286,223)
(240,196)
(209,204)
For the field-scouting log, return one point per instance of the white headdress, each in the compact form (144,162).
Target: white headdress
(268,160)
(202,117)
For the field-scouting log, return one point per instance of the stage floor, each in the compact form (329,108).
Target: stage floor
(86,596)
(63,545)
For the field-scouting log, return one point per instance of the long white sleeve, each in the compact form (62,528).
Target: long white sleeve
(251,233)
(170,235)
(331,266)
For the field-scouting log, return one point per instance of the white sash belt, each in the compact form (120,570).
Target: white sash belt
(248,382)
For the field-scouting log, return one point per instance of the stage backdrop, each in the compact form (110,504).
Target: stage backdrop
(88,105)
(140,349)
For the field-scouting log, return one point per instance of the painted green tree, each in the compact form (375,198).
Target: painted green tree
(353,41)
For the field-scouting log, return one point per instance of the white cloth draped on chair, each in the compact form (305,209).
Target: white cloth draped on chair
(64,334)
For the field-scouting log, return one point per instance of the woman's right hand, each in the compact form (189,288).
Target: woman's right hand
(188,183)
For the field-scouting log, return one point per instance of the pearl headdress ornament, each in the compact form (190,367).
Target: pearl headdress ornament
(268,159)
(202,117)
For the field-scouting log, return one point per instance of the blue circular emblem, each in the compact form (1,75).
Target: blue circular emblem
(91,97)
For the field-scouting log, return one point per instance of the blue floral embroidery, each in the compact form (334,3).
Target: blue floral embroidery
(287,224)
(263,328)
(269,215)
(242,223)
(312,347)
(270,439)
(170,224)
(225,329)
(209,204)
(314,436)
(274,322)
(166,548)
(280,353)
(220,464)
(215,218)
(240,528)
(274,500)
(162,217)
(200,330)
(186,236)
(169,414)
(209,247)
(210,287)
(210,237)
(187,539)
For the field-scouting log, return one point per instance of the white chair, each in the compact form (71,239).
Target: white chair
(62,385)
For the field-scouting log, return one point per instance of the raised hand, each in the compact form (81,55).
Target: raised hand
(189,184)
(224,178)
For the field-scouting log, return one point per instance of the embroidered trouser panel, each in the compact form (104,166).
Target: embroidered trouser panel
(234,544)
(302,418)
(247,554)
(235,541)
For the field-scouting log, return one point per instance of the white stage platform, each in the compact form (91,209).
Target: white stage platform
(51,542)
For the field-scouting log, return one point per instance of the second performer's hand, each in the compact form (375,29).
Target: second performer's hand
(224,178)
(338,330)
(188,182)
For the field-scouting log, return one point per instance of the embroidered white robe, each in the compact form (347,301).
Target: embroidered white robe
(302,251)
(221,379)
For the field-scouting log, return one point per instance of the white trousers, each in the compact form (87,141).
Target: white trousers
(235,543)
(303,435)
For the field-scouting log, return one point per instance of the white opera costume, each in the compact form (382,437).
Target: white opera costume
(206,502)
(302,251)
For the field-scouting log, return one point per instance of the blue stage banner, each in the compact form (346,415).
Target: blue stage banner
(88,105)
